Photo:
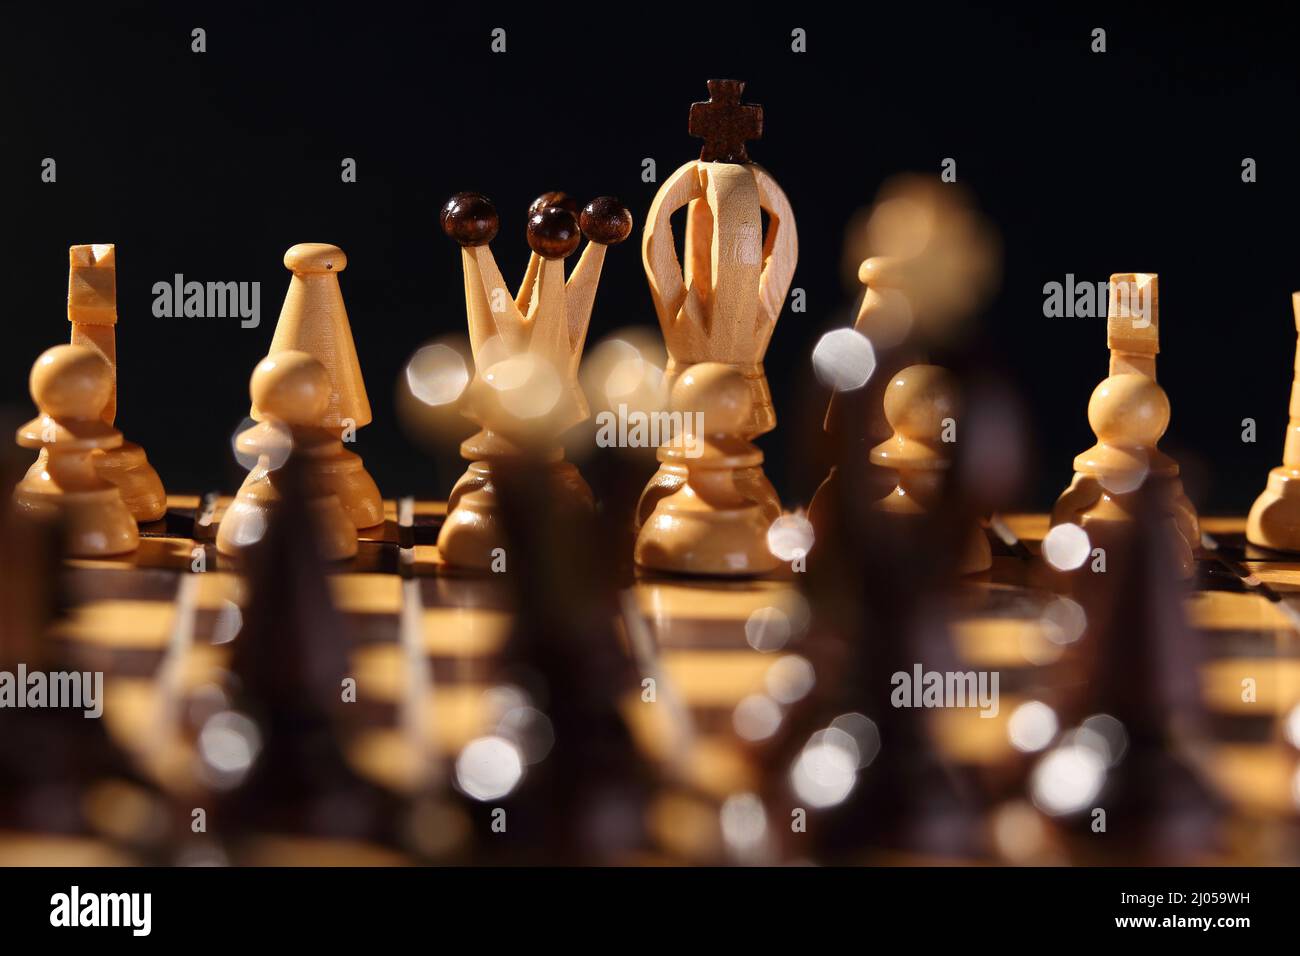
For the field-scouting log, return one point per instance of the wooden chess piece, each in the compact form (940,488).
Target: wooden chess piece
(70,384)
(1274,520)
(31,586)
(292,391)
(69,794)
(882,596)
(314,320)
(1144,665)
(933,263)
(709,525)
(721,301)
(586,801)
(525,392)
(299,801)
(921,409)
(1128,412)
(883,318)
(92,310)
(914,804)
(1128,419)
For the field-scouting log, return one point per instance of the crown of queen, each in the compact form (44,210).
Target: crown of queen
(532,342)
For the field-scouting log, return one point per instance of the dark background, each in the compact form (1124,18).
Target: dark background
(213,164)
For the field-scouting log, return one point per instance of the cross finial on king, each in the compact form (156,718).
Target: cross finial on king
(725,123)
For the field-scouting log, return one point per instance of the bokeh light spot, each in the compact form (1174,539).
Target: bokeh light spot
(489,768)
(790,537)
(1066,547)
(1032,726)
(844,359)
(437,374)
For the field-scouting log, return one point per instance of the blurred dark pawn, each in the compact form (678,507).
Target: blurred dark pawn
(584,801)
(30,565)
(69,794)
(299,800)
(879,588)
(1141,709)
(617,478)
(992,460)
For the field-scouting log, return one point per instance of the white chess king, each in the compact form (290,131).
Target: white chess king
(722,303)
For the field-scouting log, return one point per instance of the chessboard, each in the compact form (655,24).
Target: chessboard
(674,670)
(718,653)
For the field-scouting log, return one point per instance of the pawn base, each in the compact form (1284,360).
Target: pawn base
(1103,514)
(977,555)
(246,520)
(341,472)
(752,482)
(95,523)
(1274,520)
(474,478)
(686,536)
(914,496)
(249,515)
(127,467)
(472,535)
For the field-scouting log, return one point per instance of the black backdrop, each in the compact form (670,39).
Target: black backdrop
(212,164)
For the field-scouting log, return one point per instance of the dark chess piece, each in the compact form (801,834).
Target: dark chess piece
(69,794)
(585,801)
(298,800)
(1152,804)
(911,801)
(880,591)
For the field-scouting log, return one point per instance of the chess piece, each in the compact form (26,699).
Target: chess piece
(915,806)
(1144,699)
(1128,413)
(933,263)
(92,310)
(720,303)
(883,319)
(314,320)
(298,800)
(69,794)
(881,598)
(585,801)
(292,391)
(525,392)
(30,579)
(1274,520)
(1128,417)
(921,409)
(709,525)
(70,385)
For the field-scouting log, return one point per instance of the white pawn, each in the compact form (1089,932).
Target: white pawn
(291,390)
(709,525)
(1128,413)
(71,385)
(921,407)
(1274,520)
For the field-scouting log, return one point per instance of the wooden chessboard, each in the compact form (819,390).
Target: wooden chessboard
(425,636)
